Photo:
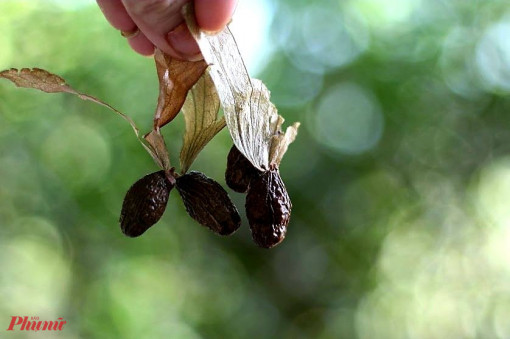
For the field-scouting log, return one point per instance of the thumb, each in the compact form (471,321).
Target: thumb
(213,15)
(161,22)
(158,20)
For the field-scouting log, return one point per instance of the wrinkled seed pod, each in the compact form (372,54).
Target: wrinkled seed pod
(208,203)
(268,208)
(239,171)
(145,203)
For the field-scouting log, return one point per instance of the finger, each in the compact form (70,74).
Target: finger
(213,15)
(157,19)
(141,44)
(182,40)
(117,15)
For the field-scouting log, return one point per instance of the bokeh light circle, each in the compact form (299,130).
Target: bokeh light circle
(348,119)
(77,153)
(493,57)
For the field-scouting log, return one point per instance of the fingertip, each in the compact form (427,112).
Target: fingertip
(141,44)
(116,14)
(213,15)
(182,42)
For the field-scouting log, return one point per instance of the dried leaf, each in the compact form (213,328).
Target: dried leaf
(176,77)
(37,78)
(202,121)
(155,145)
(281,142)
(51,83)
(251,118)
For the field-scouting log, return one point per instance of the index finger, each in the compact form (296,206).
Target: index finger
(213,15)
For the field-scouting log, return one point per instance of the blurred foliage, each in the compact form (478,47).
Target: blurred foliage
(400,179)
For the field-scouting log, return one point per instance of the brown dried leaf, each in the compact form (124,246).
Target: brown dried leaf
(281,141)
(176,77)
(155,145)
(251,118)
(202,121)
(51,83)
(37,78)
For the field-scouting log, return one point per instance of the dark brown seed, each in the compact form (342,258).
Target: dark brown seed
(268,208)
(208,203)
(145,203)
(239,171)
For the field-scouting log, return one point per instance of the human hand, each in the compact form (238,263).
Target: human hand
(159,23)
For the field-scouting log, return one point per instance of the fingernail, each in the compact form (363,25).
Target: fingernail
(182,42)
(196,57)
(208,32)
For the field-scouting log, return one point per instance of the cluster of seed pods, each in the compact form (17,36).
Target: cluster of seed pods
(210,81)
(268,205)
(205,201)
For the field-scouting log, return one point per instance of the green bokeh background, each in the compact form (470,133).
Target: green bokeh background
(399,177)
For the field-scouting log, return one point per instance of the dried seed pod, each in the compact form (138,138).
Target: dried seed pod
(208,203)
(268,208)
(239,171)
(145,203)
